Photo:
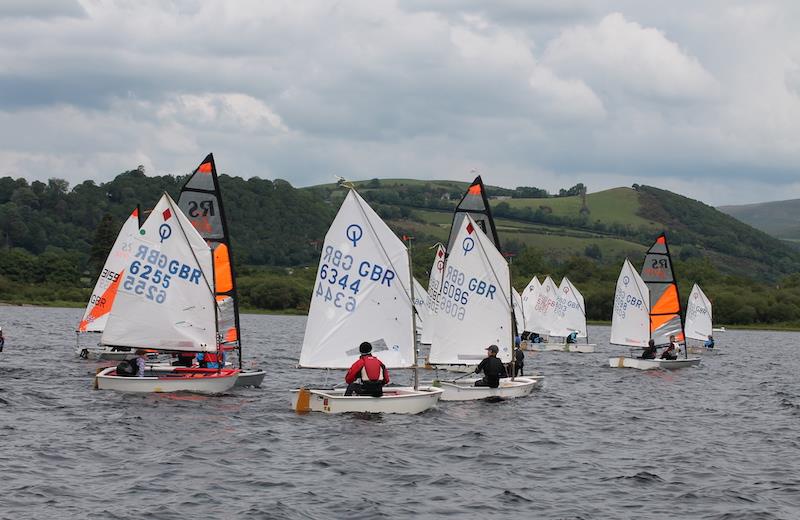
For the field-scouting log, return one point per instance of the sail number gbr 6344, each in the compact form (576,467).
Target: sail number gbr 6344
(340,278)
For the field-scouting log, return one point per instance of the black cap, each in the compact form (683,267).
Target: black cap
(493,348)
(365,348)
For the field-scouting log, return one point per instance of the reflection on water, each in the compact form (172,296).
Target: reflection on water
(718,441)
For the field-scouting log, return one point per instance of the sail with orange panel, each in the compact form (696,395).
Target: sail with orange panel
(665,307)
(201,201)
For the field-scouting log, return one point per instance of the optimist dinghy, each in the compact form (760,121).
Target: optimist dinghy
(363,292)
(475,308)
(648,307)
(165,301)
(698,322)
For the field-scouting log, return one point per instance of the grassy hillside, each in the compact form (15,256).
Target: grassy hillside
(780,219)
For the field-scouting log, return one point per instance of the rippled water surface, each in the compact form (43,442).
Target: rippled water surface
(718,441)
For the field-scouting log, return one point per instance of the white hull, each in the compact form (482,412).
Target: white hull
(465,390)
(176,380)
(395,400)
(461,369)
(652,364)
(568,347)
(703,350)
(103,354)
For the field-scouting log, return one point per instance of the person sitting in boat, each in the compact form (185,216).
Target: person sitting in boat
(370,371)
(535,338)
(709,343)
(2,339)
(669,352)
(493,369)
(183,359)
(133,367)
(676,345)
(210,359)
(649,351)
(572,337)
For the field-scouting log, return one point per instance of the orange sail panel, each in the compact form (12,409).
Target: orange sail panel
(103,304)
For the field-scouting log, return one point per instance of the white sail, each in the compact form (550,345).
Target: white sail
(519,312)
(630,322)
(105,290)
(698,315)
(475,303)
(529,296)
(434,288)
(420,296)
(570,311)
(166,297)
(362,292)
(542,318)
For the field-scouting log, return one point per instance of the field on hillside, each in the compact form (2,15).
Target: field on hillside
(618,205)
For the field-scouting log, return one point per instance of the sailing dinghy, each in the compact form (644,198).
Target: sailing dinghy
(201,202)
(363,292)
(475,311)
(569,316)
(698,320)
(165,301)
(654,294)
(105,291)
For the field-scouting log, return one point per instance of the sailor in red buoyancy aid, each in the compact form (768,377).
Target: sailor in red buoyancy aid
(210,359)
(370,370)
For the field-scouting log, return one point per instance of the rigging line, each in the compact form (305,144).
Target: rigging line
(197,262)
(385,254)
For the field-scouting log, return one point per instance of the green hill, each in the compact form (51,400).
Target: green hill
(780,219)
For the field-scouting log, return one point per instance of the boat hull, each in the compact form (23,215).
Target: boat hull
(568,347)
(652,364)
(465,390)
(250,378)
(179,379)
(403,400)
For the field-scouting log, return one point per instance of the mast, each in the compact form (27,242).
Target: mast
(201,201)
(678,292)
(413,315)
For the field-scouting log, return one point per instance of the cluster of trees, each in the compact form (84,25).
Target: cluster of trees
(54,240)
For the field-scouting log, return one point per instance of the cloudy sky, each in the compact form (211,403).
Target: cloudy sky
(697,97)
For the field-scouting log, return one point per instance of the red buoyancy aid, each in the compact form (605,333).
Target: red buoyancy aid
(368,368)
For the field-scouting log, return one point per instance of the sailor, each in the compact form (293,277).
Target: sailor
(709,343)
(370,371)
(492,368)
(535,338)
(210,359)
(649,351)
(669,352)
(676,345)
(3,340)
(141,359)
(573,337)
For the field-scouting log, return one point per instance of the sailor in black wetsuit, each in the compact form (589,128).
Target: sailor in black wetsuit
(492,368)
(649,351)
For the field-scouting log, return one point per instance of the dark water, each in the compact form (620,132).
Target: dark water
(719,441)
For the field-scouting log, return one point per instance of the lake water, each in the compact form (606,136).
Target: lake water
(719,441)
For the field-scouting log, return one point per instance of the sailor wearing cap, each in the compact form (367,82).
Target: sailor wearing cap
(492,368)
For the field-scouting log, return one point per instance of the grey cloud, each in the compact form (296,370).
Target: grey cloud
(41,9)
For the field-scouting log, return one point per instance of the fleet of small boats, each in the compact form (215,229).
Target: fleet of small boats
(169,286)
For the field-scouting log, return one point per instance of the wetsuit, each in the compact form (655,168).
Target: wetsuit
(493,369)
(649,353)
(519,362)
(371,372)
(669,353)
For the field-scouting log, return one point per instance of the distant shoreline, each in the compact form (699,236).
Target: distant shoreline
(777,327)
